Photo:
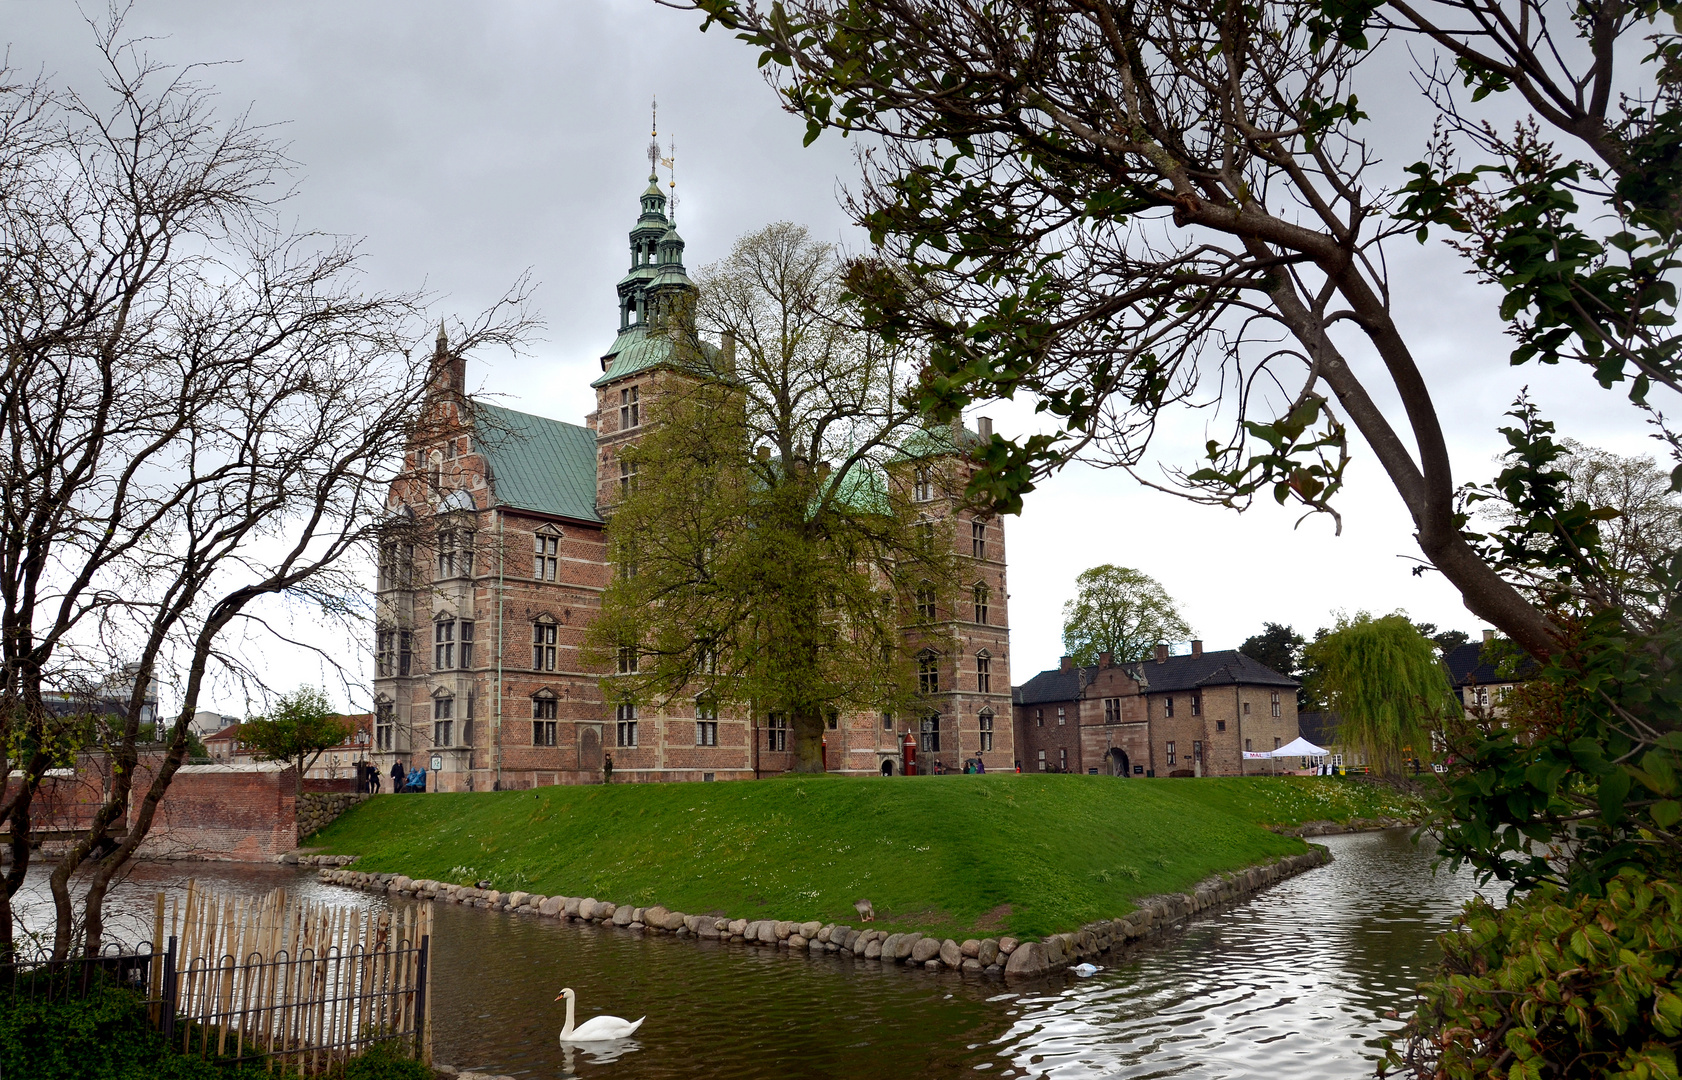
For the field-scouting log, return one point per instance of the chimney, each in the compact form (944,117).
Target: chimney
(1067,664)
(727,353)
(1105,659)
(984,427)
(1162,652)
(1197,646)
(1489,637)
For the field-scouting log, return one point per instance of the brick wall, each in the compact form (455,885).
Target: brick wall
(237,813)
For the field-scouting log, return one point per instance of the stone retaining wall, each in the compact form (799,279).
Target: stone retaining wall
(319,809)
(1006,956)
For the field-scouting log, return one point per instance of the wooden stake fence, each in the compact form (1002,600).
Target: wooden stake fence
(278,977)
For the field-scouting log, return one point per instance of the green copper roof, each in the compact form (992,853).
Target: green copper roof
(536,463)
(636,350)
(935,440)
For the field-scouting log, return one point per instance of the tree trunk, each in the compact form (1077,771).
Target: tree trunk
(808,741)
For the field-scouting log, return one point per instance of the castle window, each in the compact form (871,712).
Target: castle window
(922,485)
(543,646)
(630,407)
(548,560)
(979,595)
(776,731)
(543,712)
(396,562)
(931,733)
(627,477)
(926,602)
(1039,718)
(887,721)
(1062,759)
(928,673)
(625,728)
(443,645)
(443,721)
(925,535)
(1170,751)
(1042,761)
(983,673)
(1246,708)
(385,649)
(455,553)
(405,651)
(1197,704)
(1112,710)
(1275,703)
(986,720)
(1168,707)
(385,724)
(706,722)
(464,638)
(978,543)
(627,660)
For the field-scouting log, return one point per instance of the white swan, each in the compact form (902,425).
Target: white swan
(597,1028)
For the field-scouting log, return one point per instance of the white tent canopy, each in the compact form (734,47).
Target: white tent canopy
(1301,747)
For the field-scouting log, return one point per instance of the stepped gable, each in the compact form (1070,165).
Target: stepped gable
(539,464)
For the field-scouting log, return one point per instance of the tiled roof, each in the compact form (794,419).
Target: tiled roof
(1227,667)
(536,463)
(1469,666)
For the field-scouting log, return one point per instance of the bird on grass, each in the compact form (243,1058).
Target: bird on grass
(597,1028)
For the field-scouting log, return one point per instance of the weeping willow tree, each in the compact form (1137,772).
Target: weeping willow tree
(1383,678)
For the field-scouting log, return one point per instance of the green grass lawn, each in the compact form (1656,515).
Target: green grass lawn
(1023,854)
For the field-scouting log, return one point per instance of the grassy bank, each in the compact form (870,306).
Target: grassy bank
(1030,854)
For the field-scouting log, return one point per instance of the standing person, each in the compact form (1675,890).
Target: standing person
(398,775)
(980,766)
(607,768)
(373,775)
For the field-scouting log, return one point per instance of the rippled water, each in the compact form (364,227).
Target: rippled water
(1294,983)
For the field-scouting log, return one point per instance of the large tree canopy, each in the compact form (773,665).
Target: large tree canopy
(1133,209)
(1119,611)
(764,558)
(299,728)
(1384,679)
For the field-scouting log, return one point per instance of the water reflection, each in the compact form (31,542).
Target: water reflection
(1294,983)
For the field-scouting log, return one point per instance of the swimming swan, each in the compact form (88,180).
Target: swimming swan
(597,1028)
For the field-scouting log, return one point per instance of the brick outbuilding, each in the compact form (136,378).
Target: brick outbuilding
(1193,714)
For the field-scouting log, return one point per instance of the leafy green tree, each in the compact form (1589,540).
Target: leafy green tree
(781,580)
(1097,204)
(1119,611)
(298,730)
(1280,648)
(1385,681)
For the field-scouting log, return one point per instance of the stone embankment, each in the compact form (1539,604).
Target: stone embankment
(1007,956)
(318,809)
(1353,825)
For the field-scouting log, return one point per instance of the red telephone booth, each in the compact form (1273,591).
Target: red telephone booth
(908,750)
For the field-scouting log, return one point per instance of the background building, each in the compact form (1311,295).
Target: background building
(1192,715)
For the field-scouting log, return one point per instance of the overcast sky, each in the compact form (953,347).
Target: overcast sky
(465,143)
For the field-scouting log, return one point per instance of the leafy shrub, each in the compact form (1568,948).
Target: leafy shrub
(104,1036)
(385,1061)
(1552,985)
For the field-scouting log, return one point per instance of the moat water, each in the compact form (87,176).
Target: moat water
(1297,982)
